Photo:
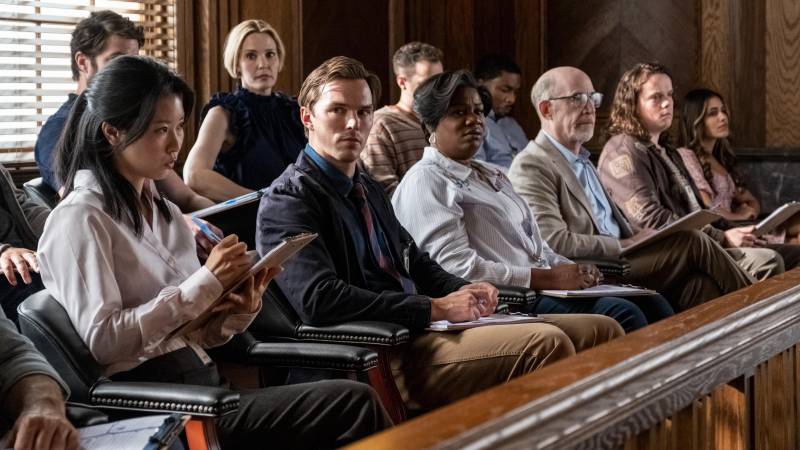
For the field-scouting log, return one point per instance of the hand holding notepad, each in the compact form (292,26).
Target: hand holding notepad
(274,258)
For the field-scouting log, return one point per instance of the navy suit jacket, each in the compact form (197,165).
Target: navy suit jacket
(325,282)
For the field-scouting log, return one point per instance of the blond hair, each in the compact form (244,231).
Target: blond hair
(233,44)
(337,68)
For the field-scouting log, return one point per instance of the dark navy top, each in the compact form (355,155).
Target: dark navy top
(44,151)
(269,136)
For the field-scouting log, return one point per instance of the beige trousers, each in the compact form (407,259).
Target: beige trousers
(440,368)
(688,268)
(760,263)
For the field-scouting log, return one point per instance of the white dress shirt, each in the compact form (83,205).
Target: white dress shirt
(474,226)
(123,293)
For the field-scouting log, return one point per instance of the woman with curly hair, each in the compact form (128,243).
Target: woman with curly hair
(709,158)
(645,176)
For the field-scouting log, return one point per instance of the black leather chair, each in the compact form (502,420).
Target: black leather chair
(45,322)
(613,269)
(279,321)
(41,193)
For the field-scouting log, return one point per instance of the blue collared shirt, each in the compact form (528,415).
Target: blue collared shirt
(590,182)
(354,222)
(504,139)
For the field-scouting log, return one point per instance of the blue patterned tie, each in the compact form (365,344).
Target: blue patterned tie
(384,261)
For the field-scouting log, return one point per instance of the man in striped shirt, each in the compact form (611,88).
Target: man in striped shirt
(397,138)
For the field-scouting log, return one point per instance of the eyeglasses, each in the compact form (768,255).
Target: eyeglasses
(581,98)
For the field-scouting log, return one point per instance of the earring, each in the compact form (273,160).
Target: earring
(432,138)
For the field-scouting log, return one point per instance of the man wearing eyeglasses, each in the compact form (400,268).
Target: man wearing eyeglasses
(577,217)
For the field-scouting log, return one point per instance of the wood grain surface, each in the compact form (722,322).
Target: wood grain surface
(782,73)
(602,397)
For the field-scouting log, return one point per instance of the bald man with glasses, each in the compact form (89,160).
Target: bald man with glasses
(579,220)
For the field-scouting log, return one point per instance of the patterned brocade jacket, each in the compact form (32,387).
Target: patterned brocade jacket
(640,183)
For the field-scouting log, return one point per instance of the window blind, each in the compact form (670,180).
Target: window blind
(35,74)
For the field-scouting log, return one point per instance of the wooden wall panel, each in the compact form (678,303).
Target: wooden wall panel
(715,46)
(531,53)
(355,28)
(782,73)
(747,99)
(284,16)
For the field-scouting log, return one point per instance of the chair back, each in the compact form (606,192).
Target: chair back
(41,193)
(45,322)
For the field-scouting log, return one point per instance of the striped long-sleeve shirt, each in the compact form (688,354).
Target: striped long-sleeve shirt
(395,143)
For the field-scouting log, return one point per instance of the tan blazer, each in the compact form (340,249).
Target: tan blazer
(543,177)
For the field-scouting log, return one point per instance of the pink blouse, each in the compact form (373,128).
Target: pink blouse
(722,189)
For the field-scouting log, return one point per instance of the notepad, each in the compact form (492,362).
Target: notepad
(777,218)
(693,221)
(276,257)
(129,434)
(603,290)
(492,319)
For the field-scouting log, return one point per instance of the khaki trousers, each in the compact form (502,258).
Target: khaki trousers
(440,368)
(688,268)
(760,263)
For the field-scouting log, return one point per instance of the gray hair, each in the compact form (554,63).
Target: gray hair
(542,90)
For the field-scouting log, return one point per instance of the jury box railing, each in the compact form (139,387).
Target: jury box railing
(723,375)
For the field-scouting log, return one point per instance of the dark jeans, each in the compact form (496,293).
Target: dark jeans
(631,312)
(323,414)
(789,252)
(12,296)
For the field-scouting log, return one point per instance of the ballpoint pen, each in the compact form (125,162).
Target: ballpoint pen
(205,229)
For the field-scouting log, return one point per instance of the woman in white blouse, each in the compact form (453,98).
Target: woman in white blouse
(117,256)
(466,214)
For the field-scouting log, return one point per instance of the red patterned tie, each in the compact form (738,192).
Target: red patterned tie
(384,261)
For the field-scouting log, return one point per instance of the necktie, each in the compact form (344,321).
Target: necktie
(383,260)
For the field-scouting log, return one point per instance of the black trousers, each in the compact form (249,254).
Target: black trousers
(789,252)
(319,415)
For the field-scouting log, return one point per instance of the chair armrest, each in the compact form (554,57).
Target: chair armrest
(609,267)
(308,355)
(203,401)
(81,416)
(244,348)
(515,296)
(357,333)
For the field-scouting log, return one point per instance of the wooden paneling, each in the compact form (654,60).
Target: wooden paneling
(747,97)
(715,46)
(355,28)
(531,53)
(284,16)
(782,73)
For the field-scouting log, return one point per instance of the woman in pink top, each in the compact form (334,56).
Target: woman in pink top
(709,158)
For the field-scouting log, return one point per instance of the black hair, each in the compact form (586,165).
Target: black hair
(490,66)
(433,96)
(91,34)
(124,95)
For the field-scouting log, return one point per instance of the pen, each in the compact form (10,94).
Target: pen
(206,230)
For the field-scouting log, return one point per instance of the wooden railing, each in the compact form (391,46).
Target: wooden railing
(723,375)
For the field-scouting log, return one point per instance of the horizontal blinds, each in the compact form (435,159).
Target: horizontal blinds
(35,74)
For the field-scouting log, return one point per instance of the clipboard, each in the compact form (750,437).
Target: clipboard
(275,257)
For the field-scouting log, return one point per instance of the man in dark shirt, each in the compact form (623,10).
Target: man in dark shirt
(365,266)
(96,40)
